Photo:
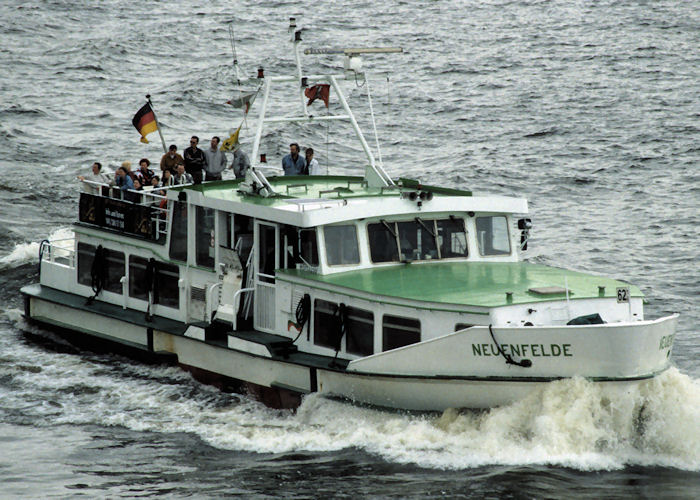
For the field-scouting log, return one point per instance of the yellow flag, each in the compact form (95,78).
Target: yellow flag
(232,142)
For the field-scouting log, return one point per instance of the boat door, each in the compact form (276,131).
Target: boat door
(267,241)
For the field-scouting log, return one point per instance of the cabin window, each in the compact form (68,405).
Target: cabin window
(137,278)
(492,235)
(341,245)
(359,331)
(204,245)
(308,248)
(115,271)
(398,332)
(417,238)
(452,238)
(382,242)
(86,254)
(226,230)
(326,324)
(114,267)
(178,232)
(167,290)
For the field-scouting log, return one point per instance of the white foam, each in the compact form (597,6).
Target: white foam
(574,423)
(62,239)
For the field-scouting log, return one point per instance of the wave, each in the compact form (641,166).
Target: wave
(573,423)
(29,252)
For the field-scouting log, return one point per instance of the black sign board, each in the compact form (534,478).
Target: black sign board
(118,215)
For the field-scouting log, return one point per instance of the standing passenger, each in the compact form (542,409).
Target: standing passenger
(171,159)
(215,161)
(311,163)
(194,160)
(240,163)
(293,164)
(96,176)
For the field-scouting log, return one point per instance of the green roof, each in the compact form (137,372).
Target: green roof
(480,284)
(314,187)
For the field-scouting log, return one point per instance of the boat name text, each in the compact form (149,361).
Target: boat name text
(534,350)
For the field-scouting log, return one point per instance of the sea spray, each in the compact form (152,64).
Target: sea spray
(61,238)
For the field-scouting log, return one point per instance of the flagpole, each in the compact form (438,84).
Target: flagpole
(148,97)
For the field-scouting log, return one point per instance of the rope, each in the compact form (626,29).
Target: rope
(98,273)
(525,363)
(302,313)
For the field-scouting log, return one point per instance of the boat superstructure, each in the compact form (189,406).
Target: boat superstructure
(383,291)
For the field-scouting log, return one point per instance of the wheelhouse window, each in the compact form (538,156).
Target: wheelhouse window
(205,237)
(308,248)
(178,232)
(382,242)
(492,235)
(341,245)
(398,332)
(452,238)
(417,238)
(113,267)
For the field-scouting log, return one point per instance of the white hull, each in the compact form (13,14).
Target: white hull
(414,377)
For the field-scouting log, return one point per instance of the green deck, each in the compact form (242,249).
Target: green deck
(478,284)
(313,187)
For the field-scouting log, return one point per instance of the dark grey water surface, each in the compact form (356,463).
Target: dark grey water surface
(588,109)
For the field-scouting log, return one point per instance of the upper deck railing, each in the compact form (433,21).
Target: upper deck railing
(142,213)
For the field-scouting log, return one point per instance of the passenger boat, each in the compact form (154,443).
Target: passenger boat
(383,291)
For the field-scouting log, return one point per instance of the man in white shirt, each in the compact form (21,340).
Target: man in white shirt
(96,176)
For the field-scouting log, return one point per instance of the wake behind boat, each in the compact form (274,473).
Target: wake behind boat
(383,291)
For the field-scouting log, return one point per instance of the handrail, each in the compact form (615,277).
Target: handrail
(208,301)
(234,319)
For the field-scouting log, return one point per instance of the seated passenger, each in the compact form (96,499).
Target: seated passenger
(123,181)
(134,197)
(127,166)
(182,177)
(144,173)
(167,179)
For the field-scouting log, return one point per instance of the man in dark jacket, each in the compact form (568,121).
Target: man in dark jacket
(194,160)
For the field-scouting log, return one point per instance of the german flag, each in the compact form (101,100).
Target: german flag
(145,121)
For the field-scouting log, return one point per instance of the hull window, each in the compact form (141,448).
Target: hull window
(492,234)
(360,331)
(326,324)
(341,245)
(398,332)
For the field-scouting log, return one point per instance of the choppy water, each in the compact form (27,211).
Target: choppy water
(588,109)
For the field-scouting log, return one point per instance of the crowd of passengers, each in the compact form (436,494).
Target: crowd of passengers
(193,167)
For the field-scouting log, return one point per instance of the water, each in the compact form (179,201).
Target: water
(587,109)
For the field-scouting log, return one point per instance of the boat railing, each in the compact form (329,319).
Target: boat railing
(58,252)
(155,198)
